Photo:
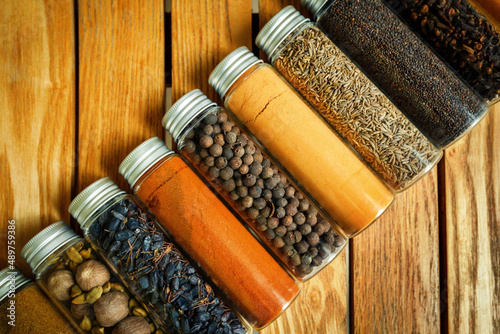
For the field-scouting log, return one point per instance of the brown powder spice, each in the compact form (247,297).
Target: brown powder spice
(355,107)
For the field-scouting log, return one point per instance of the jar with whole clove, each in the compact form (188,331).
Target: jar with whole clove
(318,159)
(254,184)
(80,283)
(430,93)
(138,250)
(353,105)
(463,34)
(24,308)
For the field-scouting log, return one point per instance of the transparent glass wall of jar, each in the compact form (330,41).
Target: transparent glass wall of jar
(209,232)
(362,114)
(149,264)
(327,169)
(463,34)
(80,283)
(254,184)
(24,308)
(437,101)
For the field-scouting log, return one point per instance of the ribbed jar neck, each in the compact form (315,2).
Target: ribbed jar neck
(316,7)
(11,280)
(189,127)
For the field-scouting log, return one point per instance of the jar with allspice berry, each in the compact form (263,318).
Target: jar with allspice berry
(254,183)
(81,285)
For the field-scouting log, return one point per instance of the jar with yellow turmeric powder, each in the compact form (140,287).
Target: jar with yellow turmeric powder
(326,168)
(81,284)
(24,308)
(254,184)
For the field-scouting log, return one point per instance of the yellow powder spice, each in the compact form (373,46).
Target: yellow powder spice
(308,148)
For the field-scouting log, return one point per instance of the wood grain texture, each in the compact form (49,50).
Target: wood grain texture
(121,83)
(203,33)
(320,307)
(473,229)
(395,263)
(37,105)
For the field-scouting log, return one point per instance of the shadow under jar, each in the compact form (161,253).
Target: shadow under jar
(320,162)
(382,135)
(138,250)
(438,102)
(251,181)
(463,34)
(238,265)
(70,272)
(24,308)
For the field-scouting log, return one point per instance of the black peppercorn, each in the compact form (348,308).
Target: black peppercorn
(237,180)
(216,128)
(273,222)
(298,236)
(235,163)
(255,191)
(312,219)
(229,185)
(216,150)
(226,127)
(281,202)
(280,231)
(249,180)
(299,218)
(295,260)
(227,152)
(250,149)
(312,238)
(339,241)
(289,238)
(206,141)
(291,209)
(306,259)
(230,138)
(226,173)
(280,212)
(319,228)
(247,159)
(266,163)
(220,162)
(242,191)
(243,169)
(253,213)
(208,129)
(270,233)
(265,212)
(278,242)
(247,202)
(259,203)
(271,182)
(287,220)
(266,173)
(189,146)
(234,196)
(213,172)
(211,119)
(204,153)
(239,151)
(304,205)
(256,169)
(289,192)
(278,192)
(305,229)
(222,118)
(209,161)
(267,194)
(294,201)
(313,251)
(288,250)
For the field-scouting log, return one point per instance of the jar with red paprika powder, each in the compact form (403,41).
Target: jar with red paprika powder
(254,183)
(210,234)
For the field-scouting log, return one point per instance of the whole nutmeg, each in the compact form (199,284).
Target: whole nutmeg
(91,274)
(59,284)
(132,325)
(111,308)
(82,310)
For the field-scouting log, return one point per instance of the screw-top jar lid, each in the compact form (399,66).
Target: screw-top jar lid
(231,68)
(42,245)
(184,111)
(92,199)
(11,277)
(313,6)
(278,28)
(142,158)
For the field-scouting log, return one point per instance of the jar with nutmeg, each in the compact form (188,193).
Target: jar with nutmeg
(81,284)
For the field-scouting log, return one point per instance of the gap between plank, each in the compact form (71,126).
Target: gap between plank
(76,50)
(350,286)
(443,256)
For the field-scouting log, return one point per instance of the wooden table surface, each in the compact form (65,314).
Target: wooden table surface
(83,82)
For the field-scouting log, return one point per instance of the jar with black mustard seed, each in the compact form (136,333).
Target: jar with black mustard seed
(426,89)
(24,308)
(70,271)
(209,232)
(254,184)
(353,105)
(463,34)
(139,250)
(322,164)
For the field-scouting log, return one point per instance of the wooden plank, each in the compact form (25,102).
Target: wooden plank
(473,229)
(37,104)
(322,306)
(121,82)
(492,7)
(203,33)
(395,281)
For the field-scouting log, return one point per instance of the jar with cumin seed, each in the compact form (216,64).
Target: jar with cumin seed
(463,34)
(69,270)
(24,308)
(140,251)
(353,105)
(251,181)
(426,89)
(318,159)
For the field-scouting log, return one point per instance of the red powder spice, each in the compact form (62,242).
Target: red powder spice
(215,238)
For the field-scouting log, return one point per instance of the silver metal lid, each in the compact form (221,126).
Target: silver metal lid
(142,158)
(45,243)
(11,278)
(278,28)
(92,199)
(231,68)
(313,6)
(184,111)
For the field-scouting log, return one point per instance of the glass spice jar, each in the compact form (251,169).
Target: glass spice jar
(80,284)
(438,102)
(387,141)
(317,158)
(463,34)
(209,233)
(24,308)
(251,182)
(149,264)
